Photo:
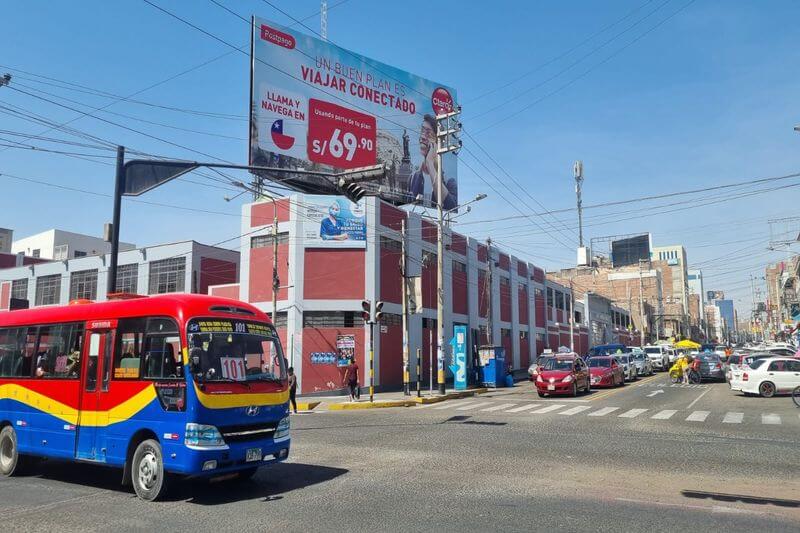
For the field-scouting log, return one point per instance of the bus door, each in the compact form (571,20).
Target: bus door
(93,412)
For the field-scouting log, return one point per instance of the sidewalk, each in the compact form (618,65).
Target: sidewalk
(382,399)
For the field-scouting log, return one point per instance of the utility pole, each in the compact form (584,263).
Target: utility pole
(404,274)
(641,303)
(577,171)
(571,317)
(323,20)
(446,141)
(489,295)
(276,282)
(119,186)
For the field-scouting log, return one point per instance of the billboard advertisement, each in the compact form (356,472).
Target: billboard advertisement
(631,250)
(333,222)
(319,107)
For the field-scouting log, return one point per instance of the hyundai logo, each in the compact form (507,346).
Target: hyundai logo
(252,410)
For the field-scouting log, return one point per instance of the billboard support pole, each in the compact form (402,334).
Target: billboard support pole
(119,186)
(641,304)
(276,283)
(404,274)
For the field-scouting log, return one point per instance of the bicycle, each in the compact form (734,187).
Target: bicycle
(694,378)
(796,396)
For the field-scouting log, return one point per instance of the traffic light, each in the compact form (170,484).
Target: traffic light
(378,312)
(366,310)
(353,191)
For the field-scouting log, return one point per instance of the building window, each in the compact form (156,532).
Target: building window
(538,293)
(458,266)
(263,241)
(505,332)
(391,319)
(540,338)
(168,275)
(19,289)
(428,323)
(550,298)
(390,245)
(559,300)
(36,253)
(428,259)
(280,319)
(330,319)
(523,335)
(578,317)
(78,254)
(504,282)
(128,278)
(48,290)
(83,285)
(61,252)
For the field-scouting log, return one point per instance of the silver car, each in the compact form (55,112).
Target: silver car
(644,367)
(628,366)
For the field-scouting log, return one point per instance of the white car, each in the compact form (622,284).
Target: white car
(628,366)
(658,357)
(768,377)
(735,371)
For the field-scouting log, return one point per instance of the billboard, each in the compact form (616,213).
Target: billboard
(631,250)
(333,222)
(316,106)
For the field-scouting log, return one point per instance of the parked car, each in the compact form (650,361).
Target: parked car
(768,377)
(533,369)
(605,371)
(643,365)
(658,357)
(628,367)
(732,362)
(734,375)
(562,375)
(711,366)
(608,349)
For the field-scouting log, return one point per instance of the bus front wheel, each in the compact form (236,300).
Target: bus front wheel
(11,463)
(147,471)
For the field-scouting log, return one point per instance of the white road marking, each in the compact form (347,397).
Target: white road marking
(698,399)
(666,414)
(498,407)
(523,408)
(633,413)
(425,405)
(772,419)
(447,405)
(604,411)
(658,391)
(733,418)
(575,410)
(549,408)
(473,406)
(698,416)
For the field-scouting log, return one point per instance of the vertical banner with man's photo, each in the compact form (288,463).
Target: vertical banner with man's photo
(333,222)
(319,107)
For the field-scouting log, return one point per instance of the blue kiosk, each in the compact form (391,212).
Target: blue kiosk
(492,369)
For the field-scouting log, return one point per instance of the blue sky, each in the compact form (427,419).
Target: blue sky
(665,96)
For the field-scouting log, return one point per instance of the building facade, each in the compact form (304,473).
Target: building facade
(6,238)
(179,267)
(58,245)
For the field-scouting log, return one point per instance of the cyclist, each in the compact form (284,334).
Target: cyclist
(694,367)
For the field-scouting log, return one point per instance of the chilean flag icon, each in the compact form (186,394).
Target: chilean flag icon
(284,142)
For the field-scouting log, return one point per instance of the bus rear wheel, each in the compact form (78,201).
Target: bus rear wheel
(147,471)
(11,463)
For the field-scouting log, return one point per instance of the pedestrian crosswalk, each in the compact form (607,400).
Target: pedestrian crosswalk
(534,409)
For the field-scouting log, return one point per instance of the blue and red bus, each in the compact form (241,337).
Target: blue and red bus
(162,386)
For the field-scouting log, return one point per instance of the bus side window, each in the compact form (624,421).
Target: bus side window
(12,352)
(58,353)
(129,347)
(162,350)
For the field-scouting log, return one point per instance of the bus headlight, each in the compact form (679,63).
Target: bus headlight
(202,435)
(283,429)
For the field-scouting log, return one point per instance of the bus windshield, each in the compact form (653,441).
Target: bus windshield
(233,350)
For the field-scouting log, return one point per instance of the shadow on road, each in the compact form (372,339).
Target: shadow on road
(721,497)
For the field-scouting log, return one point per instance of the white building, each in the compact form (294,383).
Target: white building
(178,267)
(58,245)
(696,285)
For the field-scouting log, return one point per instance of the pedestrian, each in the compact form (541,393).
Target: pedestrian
(351,379)
(293,389)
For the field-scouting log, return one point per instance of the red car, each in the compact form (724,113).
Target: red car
(606,372)
(563,375)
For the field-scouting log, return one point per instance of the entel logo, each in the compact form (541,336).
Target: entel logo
(277,37)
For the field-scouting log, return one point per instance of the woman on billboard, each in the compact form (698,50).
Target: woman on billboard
(427,171)
(330,229)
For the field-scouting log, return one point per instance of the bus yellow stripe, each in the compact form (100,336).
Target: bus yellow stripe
(227,401)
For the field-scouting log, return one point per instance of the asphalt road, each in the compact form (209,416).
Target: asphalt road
(628,459)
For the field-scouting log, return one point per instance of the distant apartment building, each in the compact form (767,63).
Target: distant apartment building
(6,237)
(59,245)
(177,267)
(677,292)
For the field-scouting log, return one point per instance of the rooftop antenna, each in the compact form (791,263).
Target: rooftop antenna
(323,20)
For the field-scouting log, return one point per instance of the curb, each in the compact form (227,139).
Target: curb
(307,406)
(449,396)
(369,405)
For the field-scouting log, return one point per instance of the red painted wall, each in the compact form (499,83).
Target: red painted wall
(261,273)
(553,340)
(539,303)
(428,231)
(538,275)
(539,348)
(458,244)
(482,253)
(507,343)
(318,377)
(216,272)
(333,274)
(5,294)
(503,262)
(391,281)
(227,291)
(559,316)
(563,338)
(391,217)
(505,302)
(522,269)
(261,214)
(482,296)
(426,356)
(429,285)
(10,260)
(390,372)
(524,353)
(522,299)
(460,292)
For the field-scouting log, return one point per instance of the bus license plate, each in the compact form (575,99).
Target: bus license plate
(253,454)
